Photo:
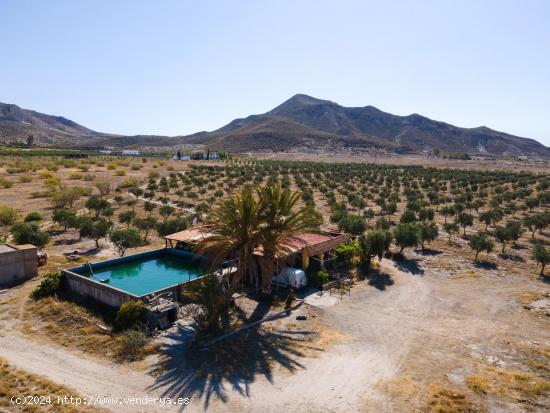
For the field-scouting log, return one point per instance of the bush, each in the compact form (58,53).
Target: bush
(33,217)
(50,285)
(4,183)
(8,216)
(131,345)
(130,316)
(322,277)
(348,252)
(29,233)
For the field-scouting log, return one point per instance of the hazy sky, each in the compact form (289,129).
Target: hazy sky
(178,67)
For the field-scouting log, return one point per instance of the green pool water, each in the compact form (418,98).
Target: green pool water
(146,275)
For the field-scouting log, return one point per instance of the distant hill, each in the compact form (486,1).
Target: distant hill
(17,124)
(300,123)
(304,121)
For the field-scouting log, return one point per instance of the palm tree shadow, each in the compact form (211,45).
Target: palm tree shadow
(229,366)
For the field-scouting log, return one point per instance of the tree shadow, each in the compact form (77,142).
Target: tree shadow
(409,265)
(485,265)
(228,366)
(380,280)
(428,252)
(90,252)
(508,257)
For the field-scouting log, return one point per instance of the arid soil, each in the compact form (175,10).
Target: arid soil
(389,342)
(432,332)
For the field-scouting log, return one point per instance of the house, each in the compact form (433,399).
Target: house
(130,152)
(317,246)
(18,263)
(181,158)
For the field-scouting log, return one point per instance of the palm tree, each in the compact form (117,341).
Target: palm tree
(235,235)
(281,221)
(267,223)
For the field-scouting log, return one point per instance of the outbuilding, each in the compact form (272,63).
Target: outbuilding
(18,263)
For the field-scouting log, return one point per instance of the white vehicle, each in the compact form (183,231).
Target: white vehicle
(291,277)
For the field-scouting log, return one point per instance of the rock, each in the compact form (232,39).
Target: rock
(301,317)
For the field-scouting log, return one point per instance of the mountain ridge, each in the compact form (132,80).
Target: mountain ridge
(300,123)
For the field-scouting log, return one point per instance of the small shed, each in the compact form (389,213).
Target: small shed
(18,263)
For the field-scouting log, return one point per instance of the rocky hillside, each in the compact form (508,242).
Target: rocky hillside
(300,123)
(303,121)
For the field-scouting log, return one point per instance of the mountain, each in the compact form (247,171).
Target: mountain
(17,124)
(304,121)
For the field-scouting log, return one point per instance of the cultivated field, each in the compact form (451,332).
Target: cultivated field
(454,317)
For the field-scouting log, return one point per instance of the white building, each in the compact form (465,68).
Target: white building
(183,158)
(132,152)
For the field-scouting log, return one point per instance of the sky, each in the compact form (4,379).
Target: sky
(179,67)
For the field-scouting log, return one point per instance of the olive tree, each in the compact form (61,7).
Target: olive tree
(480,242)
(124,239)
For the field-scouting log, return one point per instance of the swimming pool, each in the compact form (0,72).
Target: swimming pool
(135,276)
(144,276)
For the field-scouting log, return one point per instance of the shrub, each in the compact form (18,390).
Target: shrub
(29,233)
(131,345)
(348,252)
(33,217)
(322,277)
(4,183)
(50,285)
(120,172)
(8,216)
(130,316)
(129,183)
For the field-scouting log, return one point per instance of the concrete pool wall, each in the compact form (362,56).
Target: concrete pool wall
(112,296)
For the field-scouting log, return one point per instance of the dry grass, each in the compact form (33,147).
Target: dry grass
(529,297)
(408,394)
(515,385)
(446,400)
(75,327)
(69,325)
(17,383)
